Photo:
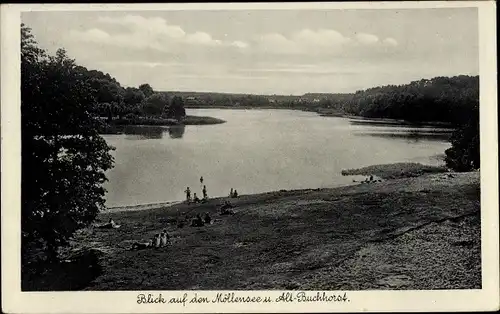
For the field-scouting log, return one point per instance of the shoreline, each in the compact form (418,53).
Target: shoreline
(380,172)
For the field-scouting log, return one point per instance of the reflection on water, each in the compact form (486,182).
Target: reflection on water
(176,131)
(139,132)
(148,132)
(396,123)
(397,130)
(409,135)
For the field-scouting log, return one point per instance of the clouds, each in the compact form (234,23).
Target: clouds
(319,41)
(390,41)
(138,32)
(274,51)
(367,39)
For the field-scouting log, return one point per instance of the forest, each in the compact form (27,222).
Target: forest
(443,99)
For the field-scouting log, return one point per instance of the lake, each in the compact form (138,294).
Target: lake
(257,151)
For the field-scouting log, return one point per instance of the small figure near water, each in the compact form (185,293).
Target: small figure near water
(205,196)
(188,194)
(196,199)
(235,194)
(231,193)
(201,180)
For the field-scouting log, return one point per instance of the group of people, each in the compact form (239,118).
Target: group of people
(197,221)
(195,198)
(163,239)
(159,240)
(232,194)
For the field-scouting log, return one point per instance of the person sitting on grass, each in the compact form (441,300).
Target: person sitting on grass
(225,209)
(157,240)
(197,222)
(181,223)
(195,198)
(110,225)
(207,218)
(142,245)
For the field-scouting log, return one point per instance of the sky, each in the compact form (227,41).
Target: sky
(265,51)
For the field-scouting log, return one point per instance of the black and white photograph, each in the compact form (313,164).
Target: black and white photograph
(299,151)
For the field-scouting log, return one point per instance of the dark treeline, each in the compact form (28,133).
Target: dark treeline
(117,102)
(444,99)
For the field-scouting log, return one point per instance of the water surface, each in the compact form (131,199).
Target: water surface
(257,151)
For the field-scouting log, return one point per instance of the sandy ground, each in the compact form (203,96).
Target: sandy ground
(410,233)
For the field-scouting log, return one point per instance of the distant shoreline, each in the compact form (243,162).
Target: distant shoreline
(323,112)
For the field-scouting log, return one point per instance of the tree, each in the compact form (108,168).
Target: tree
(176,109)
(146,89)
(133,96)
(464,153)
(63,157)
(155,104)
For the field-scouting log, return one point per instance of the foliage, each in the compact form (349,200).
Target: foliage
(133,96)
(464,154)
(155,105)
(395,170)
(63,157)
(146,89)
(176,109)
(444,99)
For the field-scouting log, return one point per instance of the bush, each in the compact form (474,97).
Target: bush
(464,154)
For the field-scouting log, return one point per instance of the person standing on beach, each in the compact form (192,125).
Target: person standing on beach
(205,192)
(188,194)
(201,179)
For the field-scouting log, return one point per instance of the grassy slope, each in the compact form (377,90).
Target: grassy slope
(410,233)
(395,170)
